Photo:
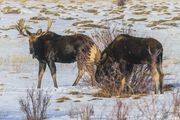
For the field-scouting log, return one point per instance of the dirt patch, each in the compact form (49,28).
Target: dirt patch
(70,18)
(94,11)
(135,20)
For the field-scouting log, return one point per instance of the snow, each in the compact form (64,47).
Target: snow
(19,70)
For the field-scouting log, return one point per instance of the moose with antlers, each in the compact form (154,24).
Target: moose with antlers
(128,51)
(48,47)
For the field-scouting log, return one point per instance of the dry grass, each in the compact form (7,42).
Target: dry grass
(1,1)
(10,10)
(160,8)
(84,112)
(138,7)
(139,82)
(83,22)
(119,112)
(15,63)
(39,17)
(117,18)
(62,99)
(60,6)
(90,25)
(18,62)
(155,23)
(1,88)
(48,12)
(2,60)
(176,104)
(170,24)
(22,1)
(74,92)
(141,12)
(153,109)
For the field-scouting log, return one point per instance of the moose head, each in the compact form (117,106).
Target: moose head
(33,37)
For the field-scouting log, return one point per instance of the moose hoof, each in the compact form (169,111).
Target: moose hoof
(162,92)
(74,84)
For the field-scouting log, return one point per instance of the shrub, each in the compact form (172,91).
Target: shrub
(35,104)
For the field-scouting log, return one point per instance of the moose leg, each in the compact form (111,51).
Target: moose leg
(155,76)
(52,68)
(159,69)
(123,84)
(42,68)
(80,73)
(126,69)
(91,71)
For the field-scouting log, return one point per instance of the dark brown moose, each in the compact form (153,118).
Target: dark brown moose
(128,51)
(48,47)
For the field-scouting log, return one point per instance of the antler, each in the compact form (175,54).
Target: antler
(20,26)
(49,25)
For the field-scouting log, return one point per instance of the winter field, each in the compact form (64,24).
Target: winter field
(159,19)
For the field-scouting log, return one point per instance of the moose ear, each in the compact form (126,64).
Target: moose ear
(39,32)
(28,32)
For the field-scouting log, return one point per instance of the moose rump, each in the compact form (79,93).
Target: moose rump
(48,47)
(128,51)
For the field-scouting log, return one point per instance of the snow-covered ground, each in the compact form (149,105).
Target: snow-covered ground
(18,71)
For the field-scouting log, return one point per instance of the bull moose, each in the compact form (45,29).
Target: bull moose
(48,47)
(128,51)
